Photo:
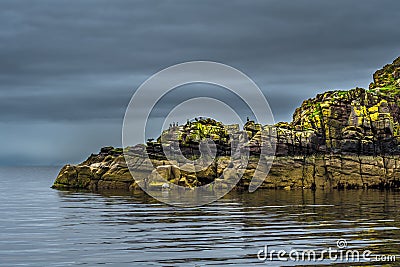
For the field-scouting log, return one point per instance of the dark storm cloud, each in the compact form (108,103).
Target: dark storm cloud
(80,61)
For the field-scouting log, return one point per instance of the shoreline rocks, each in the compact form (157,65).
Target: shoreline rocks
(289,172)
(337,140)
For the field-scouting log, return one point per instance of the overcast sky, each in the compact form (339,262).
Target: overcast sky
(69,68)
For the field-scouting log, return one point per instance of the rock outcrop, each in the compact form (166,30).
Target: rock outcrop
(339,139)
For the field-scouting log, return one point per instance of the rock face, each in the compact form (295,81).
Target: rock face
(339,139)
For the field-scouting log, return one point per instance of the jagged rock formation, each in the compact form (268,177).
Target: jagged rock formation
(339,139)
(387,78)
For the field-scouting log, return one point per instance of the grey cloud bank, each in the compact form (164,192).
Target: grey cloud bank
(69,68)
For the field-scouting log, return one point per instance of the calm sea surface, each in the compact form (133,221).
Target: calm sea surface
(40,226)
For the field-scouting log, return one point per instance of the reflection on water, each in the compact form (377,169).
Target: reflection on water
(45,227)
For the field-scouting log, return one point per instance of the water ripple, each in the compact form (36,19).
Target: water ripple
(44,227)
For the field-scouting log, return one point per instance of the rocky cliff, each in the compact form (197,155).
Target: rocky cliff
(339,139)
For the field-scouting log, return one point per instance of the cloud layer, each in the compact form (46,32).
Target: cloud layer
(69,68)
